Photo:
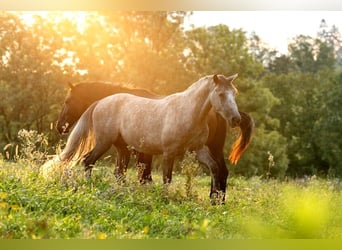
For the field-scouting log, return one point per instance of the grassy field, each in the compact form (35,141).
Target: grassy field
(72,207)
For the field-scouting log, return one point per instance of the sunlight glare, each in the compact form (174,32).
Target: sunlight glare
(77,17)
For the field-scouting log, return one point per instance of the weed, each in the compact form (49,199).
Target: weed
(271,164)
(189,166)
(33,146)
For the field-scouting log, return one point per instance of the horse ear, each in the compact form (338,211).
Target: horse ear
(232,78)
(215,78)
(71,86)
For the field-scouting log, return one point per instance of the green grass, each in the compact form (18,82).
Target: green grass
(33,207)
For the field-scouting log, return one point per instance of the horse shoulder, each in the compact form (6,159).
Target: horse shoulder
(108,109)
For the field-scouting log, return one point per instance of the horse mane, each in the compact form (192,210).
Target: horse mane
(108,87)
(241,144)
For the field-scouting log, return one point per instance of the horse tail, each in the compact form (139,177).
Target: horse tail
(241,144)
(81,139)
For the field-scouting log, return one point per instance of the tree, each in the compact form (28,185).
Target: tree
(260,51)
(311,55)
(39,58)
(330,36)
(27,78)
(328,126)
(217,49)
(144,49)
(301,84)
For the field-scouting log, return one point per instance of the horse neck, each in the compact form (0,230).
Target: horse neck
(198,96)
(98,92)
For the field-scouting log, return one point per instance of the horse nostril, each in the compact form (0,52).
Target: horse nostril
(236,121)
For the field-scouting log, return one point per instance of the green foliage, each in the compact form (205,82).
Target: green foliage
(28,77)
(303,83)
(310,55)
(328,126)
(34,208)
(218,49)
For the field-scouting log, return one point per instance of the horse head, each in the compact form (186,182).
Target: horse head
(72,110)
(222,98)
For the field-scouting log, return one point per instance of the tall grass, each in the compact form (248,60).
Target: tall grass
(32,207)
(101,208)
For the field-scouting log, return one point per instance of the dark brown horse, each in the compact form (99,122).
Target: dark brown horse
(82,95)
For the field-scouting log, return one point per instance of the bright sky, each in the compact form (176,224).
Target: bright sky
(276,28)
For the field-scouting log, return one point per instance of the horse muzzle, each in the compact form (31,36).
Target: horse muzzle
(235,121)
(232,119)
(62,128)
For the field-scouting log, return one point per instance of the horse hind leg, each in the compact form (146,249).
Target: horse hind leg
(167,168)
(91,157)
(144,165)
(123,156)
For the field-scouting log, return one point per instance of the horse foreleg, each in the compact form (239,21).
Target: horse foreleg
(204,156)
(222,174)
(144,165)
(167,168)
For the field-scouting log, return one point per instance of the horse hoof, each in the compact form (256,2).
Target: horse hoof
(145,180)
(217,198)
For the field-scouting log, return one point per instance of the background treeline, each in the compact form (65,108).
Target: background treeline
(295,99)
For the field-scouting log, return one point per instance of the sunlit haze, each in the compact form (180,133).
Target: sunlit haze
(276,28)
(79,17)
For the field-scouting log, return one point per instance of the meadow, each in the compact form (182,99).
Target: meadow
(70,207)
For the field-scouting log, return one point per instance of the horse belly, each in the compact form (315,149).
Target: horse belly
(148,143)
(197,139)
(177,141)
(141,128)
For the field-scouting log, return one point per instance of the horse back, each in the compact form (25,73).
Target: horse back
(137,120)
